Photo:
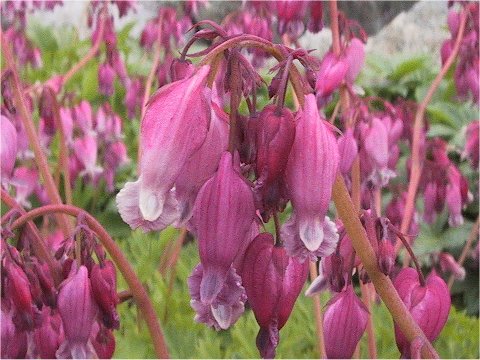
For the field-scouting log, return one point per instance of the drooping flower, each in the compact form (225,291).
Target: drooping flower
(344,322)
(311,171)
(77,310)
(222,217)
(273,281)
(330,75)
(203,163)
(106,77)
(472,148)
(228,305)
(174,127)
(355,58)
(429,305)
(347,149)
(104,290)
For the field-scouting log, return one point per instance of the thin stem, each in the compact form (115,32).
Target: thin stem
(334,27)
(417,161)
(317,307)
(39,246)
(277,229)
(92,52)
(367,300)
(136,287)
(63,150)
(412,255)
(235,97)
(466,248)
(283,85)
(33,140)
(383,284)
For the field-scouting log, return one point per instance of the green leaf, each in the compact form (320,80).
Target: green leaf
(407,67)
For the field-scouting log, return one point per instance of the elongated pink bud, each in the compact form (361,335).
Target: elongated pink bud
(222,216)
(174,127)
(311,171)
(77,310)
(330,75)
(104,290)
(344,322)
(429,305)
(8,147)
(355,58)
(348,149)
(273,281)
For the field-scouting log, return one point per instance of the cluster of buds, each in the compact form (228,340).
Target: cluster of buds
(14,13)
(64,310)
(443,183)
(467,69)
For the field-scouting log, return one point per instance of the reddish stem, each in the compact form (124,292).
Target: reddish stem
(317,307)
(93,50)
(138,291)
(471,238)
(417,161)
(27,121)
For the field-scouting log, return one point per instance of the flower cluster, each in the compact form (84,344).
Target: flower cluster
(61,310)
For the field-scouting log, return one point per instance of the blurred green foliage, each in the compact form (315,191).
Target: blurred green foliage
(388,78)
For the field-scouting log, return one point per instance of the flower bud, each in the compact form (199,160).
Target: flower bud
(14,341)
(313,160)
(355,58)
(448,264)
(106,77)
(181,69)
(429,305)
(331,73)
(344,322)
(104,290)
(347,149)
(315,22)
(8,148)
(273,281)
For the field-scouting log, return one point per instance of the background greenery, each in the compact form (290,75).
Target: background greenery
(388,78)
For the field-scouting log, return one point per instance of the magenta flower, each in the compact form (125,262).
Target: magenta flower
(174,127)
(449,265)
(330,75)
(222,217)
(347,149)
(104,289)
(48,337)
(315,21)
(355,58)
(8,148)
(86,150)
(25,181)
(78,311)
(14,341)
(429,305)
(203,163)
(228,305)
(106,77)
(311,171)
(472,148)
(273,281)
(290,14)
(344,323)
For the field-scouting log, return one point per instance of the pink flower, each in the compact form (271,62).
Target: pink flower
(203,163)
(273,281)
(77,310)
(86,150)
(472,148)
(330,75)
(344,322)
(311,171)
(348,149)
(8,148)
(48,337)
(174,127)
(104,290)
(228,305)
(222,217)
(14,341)
(355,58)
(25,181)
(429,305)
(106,77)
(315,22)
(449,265)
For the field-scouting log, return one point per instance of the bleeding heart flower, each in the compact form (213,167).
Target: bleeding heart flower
(428,304)
(344,323)
(273,281)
